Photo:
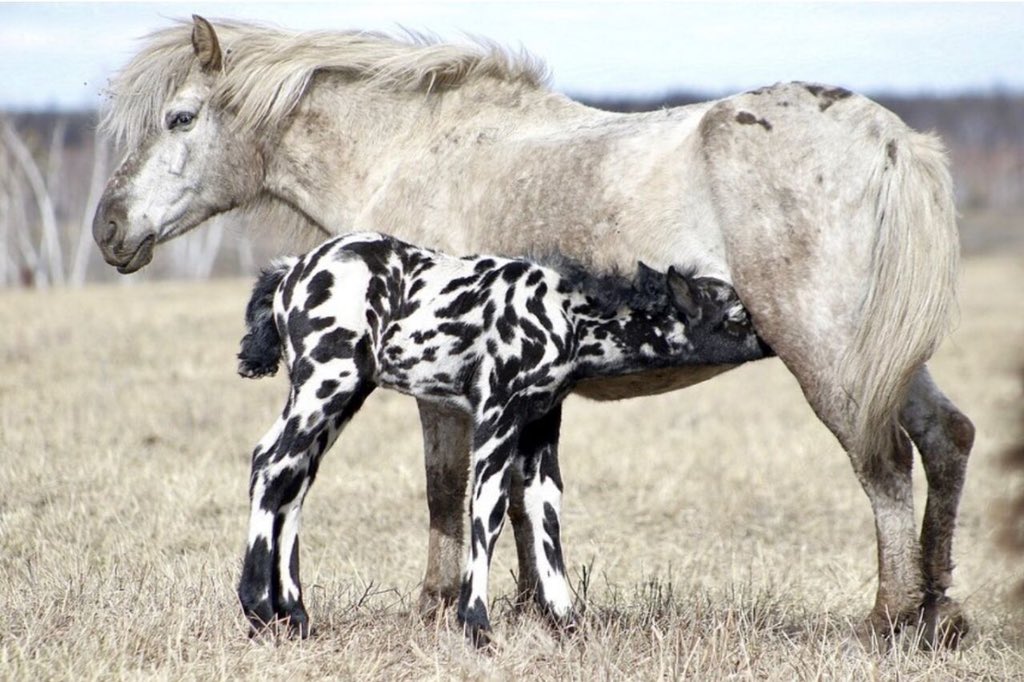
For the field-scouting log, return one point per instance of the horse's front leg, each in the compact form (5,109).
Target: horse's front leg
(446,445)
(446,448)
(944,436)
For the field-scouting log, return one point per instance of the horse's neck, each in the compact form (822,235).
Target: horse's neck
(347,143)
(627,342)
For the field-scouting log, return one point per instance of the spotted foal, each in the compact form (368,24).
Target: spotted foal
(505,340)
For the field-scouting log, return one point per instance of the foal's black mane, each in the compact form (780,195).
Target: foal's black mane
(646,291)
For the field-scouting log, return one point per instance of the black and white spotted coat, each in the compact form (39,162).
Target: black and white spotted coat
(505,340)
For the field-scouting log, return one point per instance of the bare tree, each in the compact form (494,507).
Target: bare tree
(83,248)
(50,249)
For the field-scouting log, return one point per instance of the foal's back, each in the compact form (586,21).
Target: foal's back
(428,323)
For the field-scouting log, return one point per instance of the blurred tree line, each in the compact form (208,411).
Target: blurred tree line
(53,167)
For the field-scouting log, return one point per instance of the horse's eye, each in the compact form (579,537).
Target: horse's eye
(179,119)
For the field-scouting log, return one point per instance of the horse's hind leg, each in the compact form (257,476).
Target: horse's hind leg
(256,588)
(527,579)
(446,446)
(886,479)
(944,436)
(885,476)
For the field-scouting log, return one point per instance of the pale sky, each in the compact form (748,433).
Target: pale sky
(61,54)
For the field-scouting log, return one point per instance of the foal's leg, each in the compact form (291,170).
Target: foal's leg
(283,468)
(542,502)
(527,579)
(943,435)
(446,446)
(256,588)
(492,458)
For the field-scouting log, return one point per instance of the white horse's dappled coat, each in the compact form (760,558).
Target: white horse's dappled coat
(833,220)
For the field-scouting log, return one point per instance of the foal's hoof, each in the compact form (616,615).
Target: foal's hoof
(480,636)
(565,626)
(943,624)
(294,625)
(476,624)
(297,623)
(261,617)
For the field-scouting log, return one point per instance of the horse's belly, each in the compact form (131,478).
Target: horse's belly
(651,382)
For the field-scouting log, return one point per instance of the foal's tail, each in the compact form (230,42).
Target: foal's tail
(261,345)
(913,285)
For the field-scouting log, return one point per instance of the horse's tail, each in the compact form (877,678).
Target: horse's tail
(261,346)
(912,285)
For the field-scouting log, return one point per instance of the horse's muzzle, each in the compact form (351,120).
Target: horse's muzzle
(140,257)
(108,231)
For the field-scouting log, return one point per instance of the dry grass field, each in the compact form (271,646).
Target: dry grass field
(713,533)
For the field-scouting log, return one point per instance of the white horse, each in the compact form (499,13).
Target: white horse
(833,220)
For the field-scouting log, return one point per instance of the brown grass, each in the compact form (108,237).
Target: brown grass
(713,533)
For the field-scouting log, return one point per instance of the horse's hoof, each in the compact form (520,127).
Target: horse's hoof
(433,604)
(879,630)
(264,622)
(943,624)
(261,617)
(564,625)
(940,623)
(873,636)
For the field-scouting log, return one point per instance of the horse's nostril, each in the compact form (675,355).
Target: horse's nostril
(108,232)
(105,223)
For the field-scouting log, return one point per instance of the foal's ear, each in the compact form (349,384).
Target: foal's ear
(682,294)
(206,45)
(645,270)
(647,278)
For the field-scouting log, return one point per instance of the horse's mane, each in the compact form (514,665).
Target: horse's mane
(267,70)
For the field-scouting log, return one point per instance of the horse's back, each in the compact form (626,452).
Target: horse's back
(780,191)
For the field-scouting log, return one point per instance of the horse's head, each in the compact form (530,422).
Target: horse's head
(187,166)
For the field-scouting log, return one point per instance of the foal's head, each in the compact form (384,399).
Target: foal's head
(716,321)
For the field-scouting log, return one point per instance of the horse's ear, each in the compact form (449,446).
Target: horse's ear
(684,298)
(206,45)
